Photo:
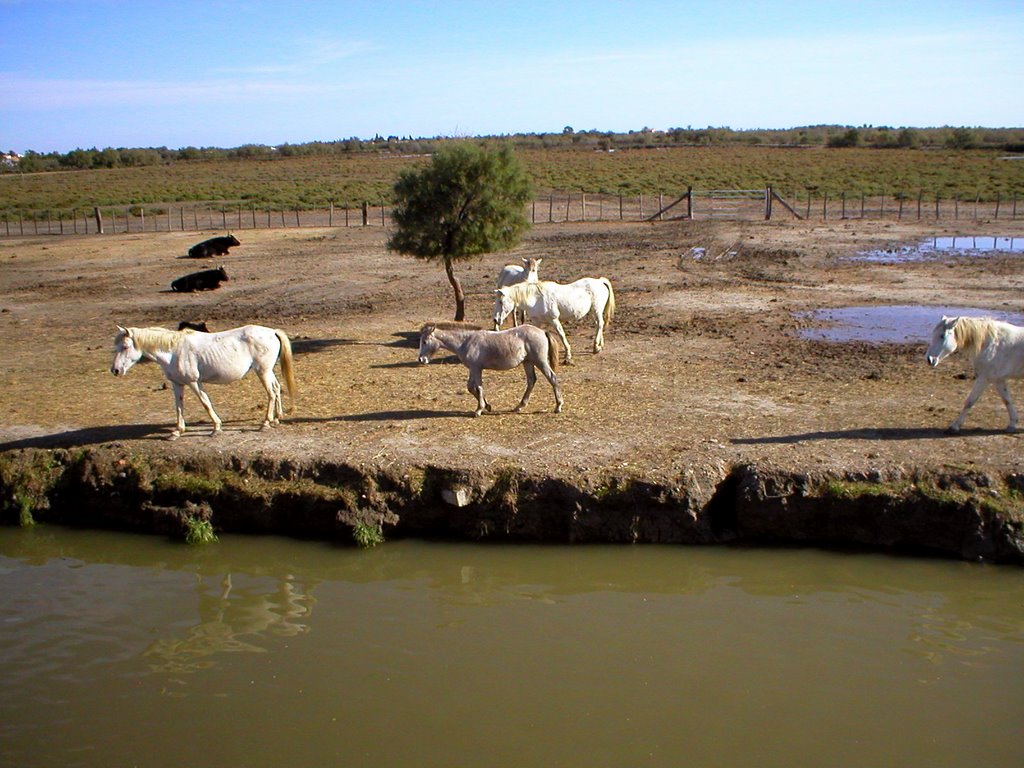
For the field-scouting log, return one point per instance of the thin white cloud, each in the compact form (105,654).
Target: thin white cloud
(311,54)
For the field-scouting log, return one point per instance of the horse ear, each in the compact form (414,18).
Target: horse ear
(122,330)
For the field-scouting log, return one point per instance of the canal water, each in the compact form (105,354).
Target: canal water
(120,650)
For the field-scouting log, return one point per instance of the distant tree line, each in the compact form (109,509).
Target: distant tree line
(836,136)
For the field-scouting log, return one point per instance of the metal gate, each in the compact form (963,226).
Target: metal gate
(729,204)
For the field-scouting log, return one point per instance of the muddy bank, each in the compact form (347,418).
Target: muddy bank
(973,516)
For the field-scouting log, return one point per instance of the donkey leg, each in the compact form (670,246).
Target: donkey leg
(475,386)
(207,404)
(552,378)
(972,398)
(1004,392)
(531,380)
(179,411)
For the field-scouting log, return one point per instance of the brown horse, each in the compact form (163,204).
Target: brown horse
(478,350)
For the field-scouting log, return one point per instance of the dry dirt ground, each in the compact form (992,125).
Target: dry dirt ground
(704,362)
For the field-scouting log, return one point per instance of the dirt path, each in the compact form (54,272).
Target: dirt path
(704,364)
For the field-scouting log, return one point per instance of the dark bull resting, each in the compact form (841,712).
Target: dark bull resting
(206,280)
(215,246)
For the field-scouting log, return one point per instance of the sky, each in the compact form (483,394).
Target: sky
(224,73)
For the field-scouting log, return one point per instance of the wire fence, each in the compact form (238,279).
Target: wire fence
(549,209)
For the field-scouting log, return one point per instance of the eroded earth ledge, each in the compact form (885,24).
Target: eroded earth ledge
(964,515)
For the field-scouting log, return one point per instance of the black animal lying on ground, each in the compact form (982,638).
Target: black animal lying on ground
(198,325)
(206,280)
(215,246)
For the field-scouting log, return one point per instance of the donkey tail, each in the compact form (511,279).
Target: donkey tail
(609,307)
(552,350)
(287,364)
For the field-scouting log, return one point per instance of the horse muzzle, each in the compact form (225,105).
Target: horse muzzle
(423,359)
(933,360)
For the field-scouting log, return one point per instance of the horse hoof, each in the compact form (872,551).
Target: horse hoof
(558,408)
(477,413)
(174,436)
(952,430)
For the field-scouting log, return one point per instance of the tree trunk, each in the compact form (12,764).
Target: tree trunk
(460,297)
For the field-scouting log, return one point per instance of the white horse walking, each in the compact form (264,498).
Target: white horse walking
(513,274)
(478,350)
(550,301)
(996,349)
(189,358)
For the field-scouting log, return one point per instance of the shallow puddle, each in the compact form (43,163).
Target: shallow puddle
(896,324)
(942,247)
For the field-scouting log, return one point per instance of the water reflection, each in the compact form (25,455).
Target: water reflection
(234,619)
(940,247)
(888,323)
(275,652)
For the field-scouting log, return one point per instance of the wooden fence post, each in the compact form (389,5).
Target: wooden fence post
(366,214)
(99,220)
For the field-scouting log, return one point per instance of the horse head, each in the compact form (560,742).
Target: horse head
(943,342)
(503,306)
(126,354)
(233,240)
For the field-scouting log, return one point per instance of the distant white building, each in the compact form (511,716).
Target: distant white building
(10,159)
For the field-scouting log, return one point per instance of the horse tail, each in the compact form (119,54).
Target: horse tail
(287,366)
(552,350)
(609,307)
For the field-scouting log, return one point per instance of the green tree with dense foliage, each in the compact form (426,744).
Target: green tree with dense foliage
(466,202)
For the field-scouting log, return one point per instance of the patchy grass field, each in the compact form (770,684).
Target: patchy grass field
(348,180)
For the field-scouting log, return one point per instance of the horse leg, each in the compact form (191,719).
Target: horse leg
(204,398)
(565,342)
(274,406)
(531,379)
(599,334)
(179,411)
(972,398)
(1004,392)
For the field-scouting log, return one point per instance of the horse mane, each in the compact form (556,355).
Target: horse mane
(156,337)
(973,333)
(520,291)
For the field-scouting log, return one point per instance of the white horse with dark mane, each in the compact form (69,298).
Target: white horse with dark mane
(996,349)
(513,274)
(190,359)
(548,301)
(524,345)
